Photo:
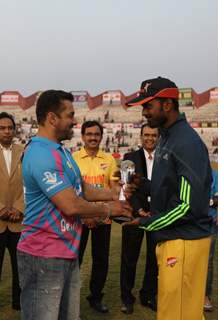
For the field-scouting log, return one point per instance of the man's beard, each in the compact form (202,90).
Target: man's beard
(156,123)
(7,141)
(65,135)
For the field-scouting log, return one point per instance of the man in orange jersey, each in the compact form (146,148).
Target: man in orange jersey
(97,168)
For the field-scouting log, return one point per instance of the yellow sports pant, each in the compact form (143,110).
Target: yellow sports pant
(182,278)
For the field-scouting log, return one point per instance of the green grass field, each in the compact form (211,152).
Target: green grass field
(112,293)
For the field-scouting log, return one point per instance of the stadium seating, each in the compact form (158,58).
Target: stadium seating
(118,137)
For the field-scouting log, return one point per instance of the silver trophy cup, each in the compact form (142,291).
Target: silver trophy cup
(127,169)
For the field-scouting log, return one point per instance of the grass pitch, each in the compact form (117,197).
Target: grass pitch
(112,292)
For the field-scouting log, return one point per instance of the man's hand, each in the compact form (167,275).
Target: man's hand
(4,213)
(142,213)
(132,186)
(120,208)
(135,222)
(15,215)
(115,192)
(90,222)
(129,188)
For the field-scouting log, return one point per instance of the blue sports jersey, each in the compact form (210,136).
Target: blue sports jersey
(48,168)
(214,192)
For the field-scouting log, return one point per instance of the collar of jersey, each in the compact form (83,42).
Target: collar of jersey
(165,131)
(84,154)
(43,140)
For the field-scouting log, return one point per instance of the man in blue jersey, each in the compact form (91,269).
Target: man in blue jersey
(55,201)
(180,192)
(214,215)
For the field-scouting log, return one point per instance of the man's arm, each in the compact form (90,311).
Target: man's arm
(215,201)
(66,197)
(215,188)
(19,203)
(215,193)
(16,212)
(114,184)
(188,200)
(92,194)
(70,204)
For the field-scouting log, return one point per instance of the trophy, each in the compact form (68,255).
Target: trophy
(127,169)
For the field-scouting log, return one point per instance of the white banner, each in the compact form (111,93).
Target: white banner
(112,97)
(9,98)
(214,94)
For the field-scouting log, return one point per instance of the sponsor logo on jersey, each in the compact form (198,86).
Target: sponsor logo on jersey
(103,166)
(165,156)
(50,178)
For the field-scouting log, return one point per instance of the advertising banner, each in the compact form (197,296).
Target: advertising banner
(195,124)
(80,97)
(214,94)
(9,98)
(112,97)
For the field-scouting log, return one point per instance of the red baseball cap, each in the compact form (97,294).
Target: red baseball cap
(155,88)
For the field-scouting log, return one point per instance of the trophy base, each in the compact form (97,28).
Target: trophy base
(121,219)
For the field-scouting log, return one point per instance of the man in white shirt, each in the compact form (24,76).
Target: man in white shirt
(132,236)
(11,199)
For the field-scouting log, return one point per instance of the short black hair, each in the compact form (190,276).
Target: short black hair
(4,115)
(50,101)
(146,125)
(89,124)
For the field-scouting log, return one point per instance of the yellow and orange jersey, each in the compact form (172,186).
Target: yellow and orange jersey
(98,170)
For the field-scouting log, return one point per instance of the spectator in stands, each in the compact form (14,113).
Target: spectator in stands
(180,192)
(54,192)
(132,236)
(97,168)
(11,199)
(213,213)
(107,142)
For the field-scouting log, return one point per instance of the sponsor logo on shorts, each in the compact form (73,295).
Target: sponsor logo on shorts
(171,261)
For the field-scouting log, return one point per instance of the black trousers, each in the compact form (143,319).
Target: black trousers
(100,244)
(9,240)
(131,244)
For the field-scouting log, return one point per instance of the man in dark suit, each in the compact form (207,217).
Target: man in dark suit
(132,236)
